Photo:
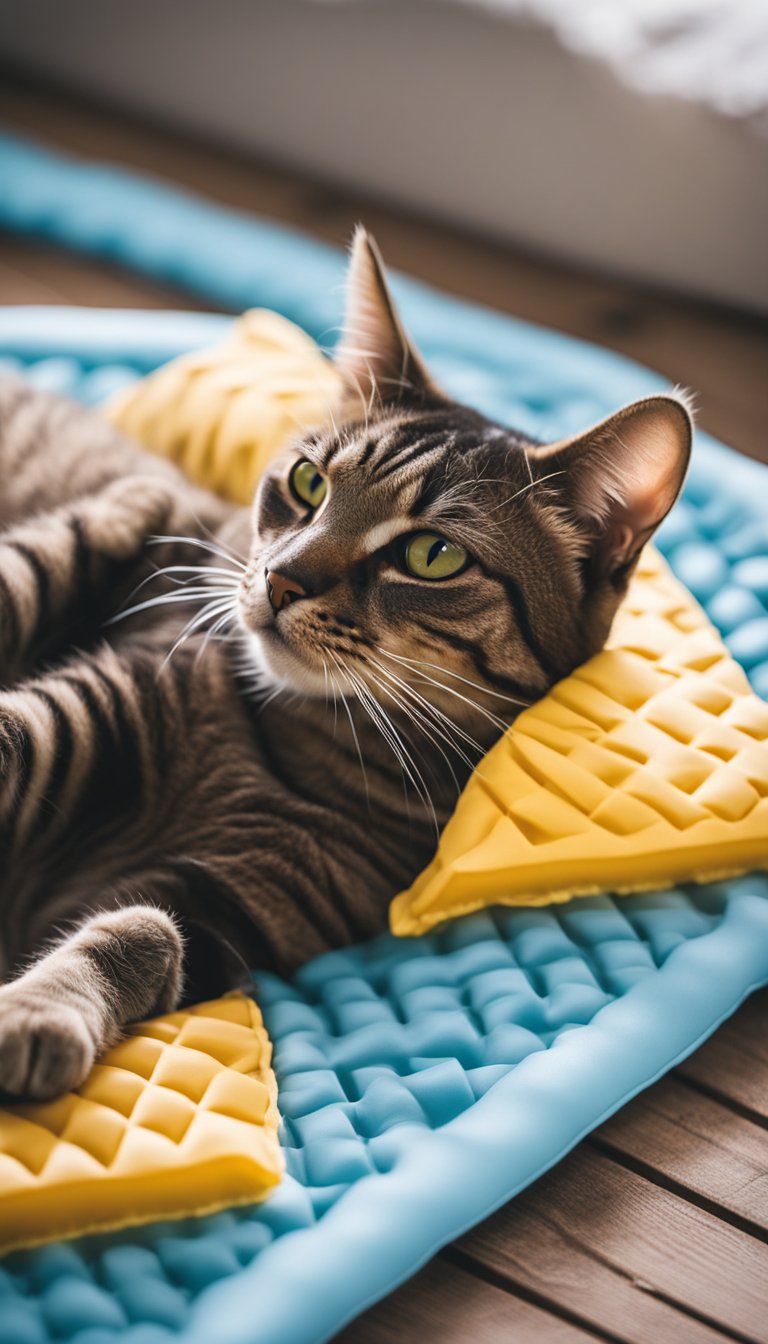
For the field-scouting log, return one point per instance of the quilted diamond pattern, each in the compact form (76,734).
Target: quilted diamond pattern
(647,765)
(217,412)
(180,1116)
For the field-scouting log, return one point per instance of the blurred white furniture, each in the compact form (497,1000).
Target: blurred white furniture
(488,114)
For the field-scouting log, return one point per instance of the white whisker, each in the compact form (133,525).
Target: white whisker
(212,547)
(214,631)
(486,690)
(422,725)
(428,715)
(195,571)
(209,613)
(167,599)
(538,481)
(217,540)
(436,712)
(200,570)
(354,735)
(393,738)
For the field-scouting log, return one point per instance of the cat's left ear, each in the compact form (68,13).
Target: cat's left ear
(375,358)
(619,480)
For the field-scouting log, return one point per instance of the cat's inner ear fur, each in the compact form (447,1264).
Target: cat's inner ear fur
(376,360)
(617,482)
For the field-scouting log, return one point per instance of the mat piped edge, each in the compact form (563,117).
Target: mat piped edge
(626,1047)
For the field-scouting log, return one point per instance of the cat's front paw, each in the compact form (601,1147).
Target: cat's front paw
(45,1049)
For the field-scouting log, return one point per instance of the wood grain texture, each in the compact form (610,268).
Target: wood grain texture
(626,1257)
(447,1304)
(696,1146)
(733,1065)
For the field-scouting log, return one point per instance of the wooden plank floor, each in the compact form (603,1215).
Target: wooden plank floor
(656,1228)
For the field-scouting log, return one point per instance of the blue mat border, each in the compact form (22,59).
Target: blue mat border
(479,1149)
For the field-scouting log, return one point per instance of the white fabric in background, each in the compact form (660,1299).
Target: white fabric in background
(713,52)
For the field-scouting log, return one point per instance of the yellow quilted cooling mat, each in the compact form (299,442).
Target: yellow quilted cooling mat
(180,1118)
(645,767)
(222,413)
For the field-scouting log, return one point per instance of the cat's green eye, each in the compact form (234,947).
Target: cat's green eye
(430,556)
(308,484)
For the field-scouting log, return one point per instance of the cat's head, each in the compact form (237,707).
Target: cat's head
(416,549)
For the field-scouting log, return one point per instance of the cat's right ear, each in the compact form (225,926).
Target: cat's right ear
(375,358)
(618,481)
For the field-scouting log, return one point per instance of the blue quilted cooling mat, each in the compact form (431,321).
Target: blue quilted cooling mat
(422,1082)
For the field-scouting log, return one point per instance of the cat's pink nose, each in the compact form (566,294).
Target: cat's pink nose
(281,590)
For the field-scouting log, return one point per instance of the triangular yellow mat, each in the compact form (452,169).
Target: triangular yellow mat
(180,1118)
(646,767)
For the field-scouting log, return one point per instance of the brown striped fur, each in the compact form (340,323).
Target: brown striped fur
(244,802)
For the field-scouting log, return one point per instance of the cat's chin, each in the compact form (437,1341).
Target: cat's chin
(276,663)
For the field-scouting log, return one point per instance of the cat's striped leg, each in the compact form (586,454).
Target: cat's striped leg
(55,1018)
(79,742)
(84,750)
(74,750)
(57,569)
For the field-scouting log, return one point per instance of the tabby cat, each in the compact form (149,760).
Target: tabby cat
(181,799)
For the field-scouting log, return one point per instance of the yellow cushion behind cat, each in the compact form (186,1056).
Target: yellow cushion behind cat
(221,413)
